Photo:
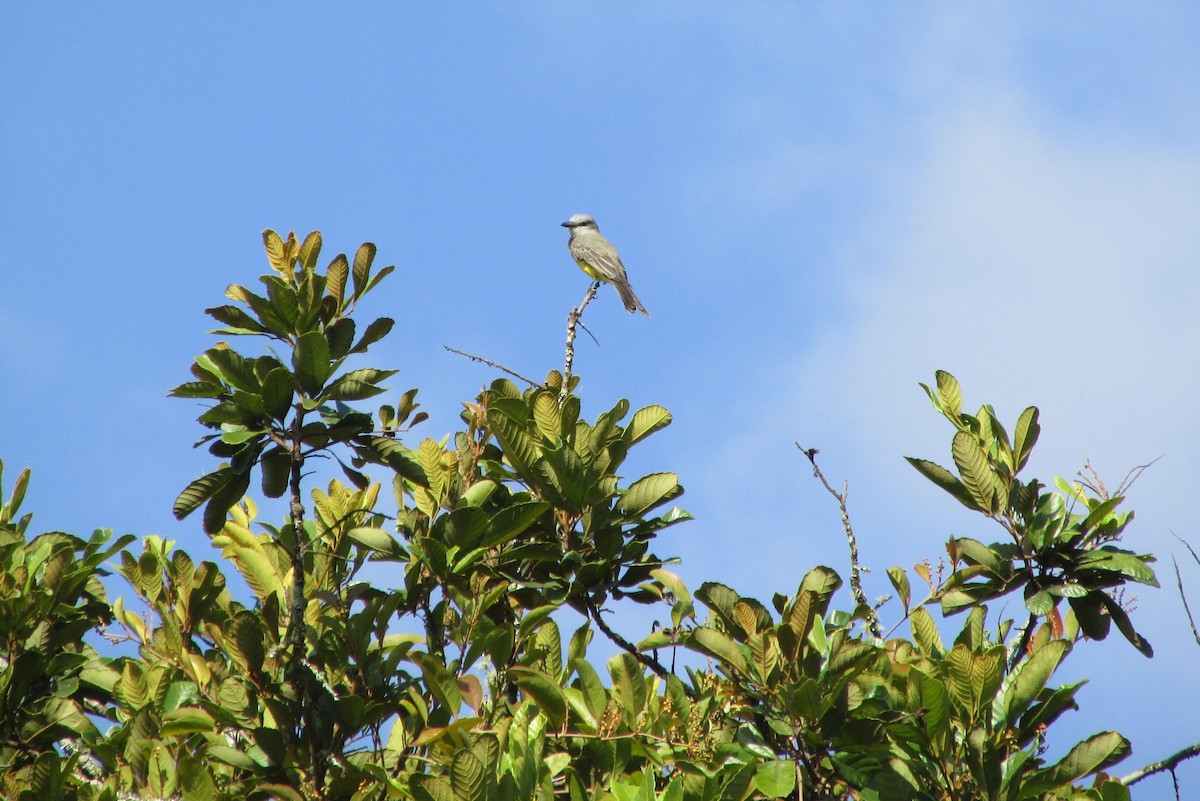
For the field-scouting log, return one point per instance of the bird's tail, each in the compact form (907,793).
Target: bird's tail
(628,298)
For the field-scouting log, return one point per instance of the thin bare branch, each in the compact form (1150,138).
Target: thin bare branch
(1092,481)
(1187,545)
(1134,474)
(1170,763)
(856,570)
(572,324)
(490,363)
(1183,597)
(624,644)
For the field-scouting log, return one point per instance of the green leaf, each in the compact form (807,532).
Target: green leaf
(248,637)
(512,521)
(1039,603)
(468,777)
(186,720)
(223,500)
(544,690)
(335,279)
(340,336)
(276,252)
(776,779)
(284,301)
(1067,590)
(357,385)
(276,327)
(1123,562)
(944,479)
(1095,753)
(719,598)
(197,389)
(232,434)
(591,689)
(564,471)
(977,475)
(276,468)
(310,251)
(278,389)
(231,367)
(899,579)
(518,446)
(949,393)
(231,756)
(925,632)
(1025,436)
(310,360)
(986,675)
(720,646)
(376,331)
(629,685)
(376,539)
(238,320)
(399,458)
(200,490)
(379,276)
(259,573)
(821,580)
(650,491)
(1090,616)
(195,780)
(478,493)
(928,693)
(682,607)
(362,266)
(1030,678)
(546,416)
(645,422)
(1125,626)
(441,683)
(972,634)
(547,645)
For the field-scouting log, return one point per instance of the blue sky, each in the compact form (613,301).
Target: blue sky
(820,204)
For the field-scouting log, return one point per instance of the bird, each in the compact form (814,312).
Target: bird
(596,256)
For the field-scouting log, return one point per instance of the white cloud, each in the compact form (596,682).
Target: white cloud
(1040,270)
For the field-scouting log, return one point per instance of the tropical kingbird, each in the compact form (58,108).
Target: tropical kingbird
(596,256)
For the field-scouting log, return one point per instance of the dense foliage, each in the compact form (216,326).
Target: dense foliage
(313,681)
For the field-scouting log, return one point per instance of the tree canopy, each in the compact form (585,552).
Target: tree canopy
(301,679)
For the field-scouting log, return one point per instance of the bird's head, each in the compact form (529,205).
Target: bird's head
(581,222)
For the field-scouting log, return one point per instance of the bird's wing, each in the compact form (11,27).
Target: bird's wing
(598,254)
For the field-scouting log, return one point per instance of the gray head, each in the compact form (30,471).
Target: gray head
(584,221)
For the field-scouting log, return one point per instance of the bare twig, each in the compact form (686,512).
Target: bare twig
(1187,545)
(1092,481)
(572,323)
(1179,585)
(490,363)
(622,643)
(1170,763)
(856,570)
(1134,474)
(1183,597)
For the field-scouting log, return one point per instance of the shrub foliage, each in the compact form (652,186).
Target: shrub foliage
(412,646)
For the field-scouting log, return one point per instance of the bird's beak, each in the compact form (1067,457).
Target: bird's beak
(567,224)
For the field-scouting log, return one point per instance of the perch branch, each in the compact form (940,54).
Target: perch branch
(856,570)
(572,323)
